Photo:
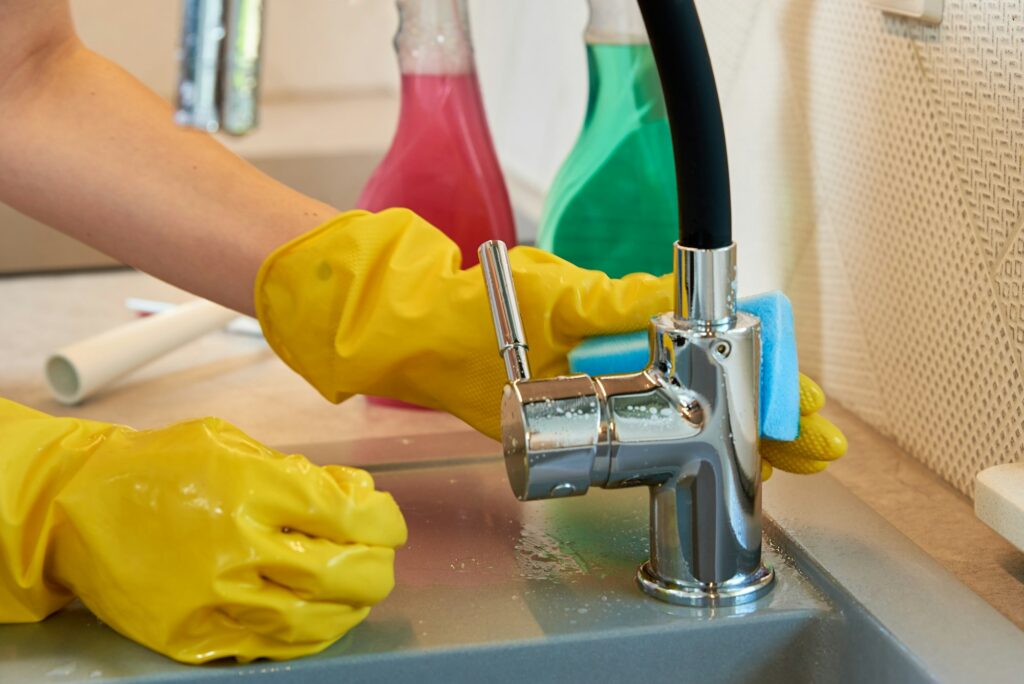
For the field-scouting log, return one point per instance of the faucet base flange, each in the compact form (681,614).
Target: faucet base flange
(749,588)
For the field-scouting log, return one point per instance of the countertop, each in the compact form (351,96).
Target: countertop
(239,379)
(233,377)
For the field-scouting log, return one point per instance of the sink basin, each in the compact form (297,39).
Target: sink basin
(489,588)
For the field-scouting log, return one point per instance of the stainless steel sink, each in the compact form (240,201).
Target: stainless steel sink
(492,589)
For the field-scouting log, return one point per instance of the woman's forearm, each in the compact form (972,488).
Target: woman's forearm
(87,149)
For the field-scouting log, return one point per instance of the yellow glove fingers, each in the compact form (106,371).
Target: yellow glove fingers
(786,460)
(766,470)
(262,622)
(820,439)
(605,306)
(812,397)
(350,480)
(580,304)
(819,443)
(333,503)
(372,517)
(342,507)
(278,614)
(308,503)
(317,570)
(589,303)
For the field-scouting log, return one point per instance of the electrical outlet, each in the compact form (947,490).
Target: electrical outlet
(929,11)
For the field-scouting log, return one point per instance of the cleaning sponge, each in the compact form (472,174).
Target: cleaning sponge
(780,380)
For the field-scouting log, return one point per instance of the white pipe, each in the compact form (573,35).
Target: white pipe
(79,370)
(242,325)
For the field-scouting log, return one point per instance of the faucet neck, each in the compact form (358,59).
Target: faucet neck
(705,287)
(695,117)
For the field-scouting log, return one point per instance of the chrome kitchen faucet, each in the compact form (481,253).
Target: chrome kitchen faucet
(686,427)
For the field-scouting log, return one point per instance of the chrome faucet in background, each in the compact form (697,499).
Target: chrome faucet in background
(219,65)
(686,427)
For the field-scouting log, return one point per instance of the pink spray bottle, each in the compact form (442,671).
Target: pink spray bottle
(441,163)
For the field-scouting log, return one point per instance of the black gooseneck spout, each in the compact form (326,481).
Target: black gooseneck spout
(695,118)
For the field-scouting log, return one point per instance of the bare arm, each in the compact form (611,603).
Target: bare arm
(87,149)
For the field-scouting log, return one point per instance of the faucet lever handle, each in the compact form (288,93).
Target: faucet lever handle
(508,325)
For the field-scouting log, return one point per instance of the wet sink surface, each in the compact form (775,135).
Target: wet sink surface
(491,588)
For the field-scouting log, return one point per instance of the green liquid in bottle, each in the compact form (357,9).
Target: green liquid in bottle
(613,205)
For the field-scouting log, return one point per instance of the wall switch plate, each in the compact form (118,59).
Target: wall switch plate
(928,11)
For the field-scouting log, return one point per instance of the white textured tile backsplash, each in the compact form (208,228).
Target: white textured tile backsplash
(895,154)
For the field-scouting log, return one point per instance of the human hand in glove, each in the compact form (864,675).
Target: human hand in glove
(378,304)
(193,540)
(819,443)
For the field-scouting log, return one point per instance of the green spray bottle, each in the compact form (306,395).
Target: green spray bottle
(613,205)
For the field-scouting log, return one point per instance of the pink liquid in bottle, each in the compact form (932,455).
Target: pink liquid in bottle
(442,164)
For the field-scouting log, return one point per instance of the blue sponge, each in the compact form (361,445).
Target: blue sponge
(780,380)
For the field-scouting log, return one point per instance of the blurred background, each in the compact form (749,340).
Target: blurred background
(876,166)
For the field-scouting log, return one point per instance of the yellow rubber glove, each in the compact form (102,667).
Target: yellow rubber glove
(377,304)
(818,444)
(193,540)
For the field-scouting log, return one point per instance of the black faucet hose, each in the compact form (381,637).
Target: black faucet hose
(695,119)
